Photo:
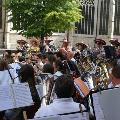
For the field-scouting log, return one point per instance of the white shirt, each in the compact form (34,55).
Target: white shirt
(57,74)
(5,77)
(59,106)
(15,66)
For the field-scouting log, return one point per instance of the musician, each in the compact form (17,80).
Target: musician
(26,75)
(6,77)
(34,46)
(80,46)
(58,68)
(81,51)
(38,65)
(47,45)
(48,68)
(65,47)
(99,50)
(21,45)
(116,44)
(64,88)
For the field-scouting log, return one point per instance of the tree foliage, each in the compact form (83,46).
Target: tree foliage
(41,17)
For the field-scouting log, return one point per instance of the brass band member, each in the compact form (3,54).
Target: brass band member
(65,45)
(47,46)
(81,49)
(99,50)
(34,46)
(21,45)
(116,44)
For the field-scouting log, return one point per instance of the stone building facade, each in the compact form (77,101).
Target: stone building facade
(101,20)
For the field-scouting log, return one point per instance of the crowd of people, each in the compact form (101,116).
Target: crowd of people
(94,67)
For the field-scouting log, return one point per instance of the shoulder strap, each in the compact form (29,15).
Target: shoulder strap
(19,64)
(10,76)
(70,113)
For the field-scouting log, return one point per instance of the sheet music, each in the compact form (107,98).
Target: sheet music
(22,95)
(15,96)
(107,104)
(6,98)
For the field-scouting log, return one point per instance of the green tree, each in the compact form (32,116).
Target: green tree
(39,18)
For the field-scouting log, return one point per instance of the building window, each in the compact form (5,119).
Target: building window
(104,17)
(117,18)
(0,14)
(86,24)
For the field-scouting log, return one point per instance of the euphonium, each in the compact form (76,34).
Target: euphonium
(87,65)
(101,76)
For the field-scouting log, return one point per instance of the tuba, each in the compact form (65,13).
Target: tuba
(101,77)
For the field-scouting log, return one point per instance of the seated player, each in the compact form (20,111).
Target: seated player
(64,88)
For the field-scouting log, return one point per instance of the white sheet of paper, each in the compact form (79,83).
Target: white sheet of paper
(15,96)
(6,98)
(22,95)
(107,104)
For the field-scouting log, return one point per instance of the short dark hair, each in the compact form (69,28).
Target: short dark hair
(64,86)
(48,68)
(59,65)
(116,71)
(26,73)
(21,59)
(51,58)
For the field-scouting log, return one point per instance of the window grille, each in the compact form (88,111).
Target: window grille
(0,14)
(86,24)
(104,17)
(117,18)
